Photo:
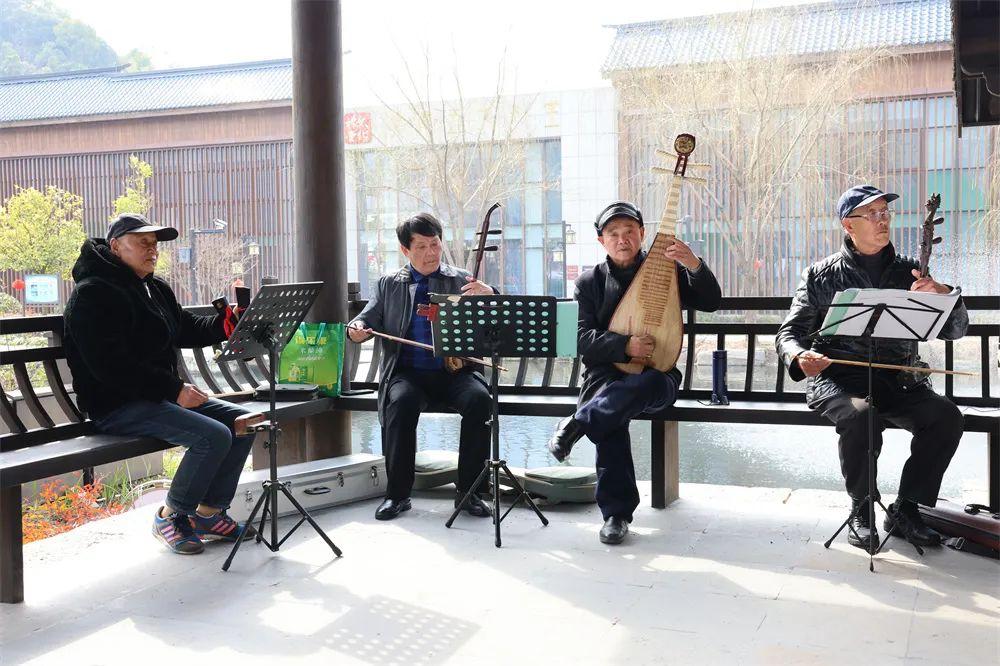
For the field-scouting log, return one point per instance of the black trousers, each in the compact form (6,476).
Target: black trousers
(409,394)
(605,419)
(934,421)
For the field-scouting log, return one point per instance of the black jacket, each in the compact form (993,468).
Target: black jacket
(598,293)
(390,309)
(122,333)
(812,300)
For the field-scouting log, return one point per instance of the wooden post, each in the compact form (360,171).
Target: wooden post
(320,213)
(11,547)
(665,466)
(993,442)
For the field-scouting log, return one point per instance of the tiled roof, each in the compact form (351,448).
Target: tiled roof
(113,91)
(811,29)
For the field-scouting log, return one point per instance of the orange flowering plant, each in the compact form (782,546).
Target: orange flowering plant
(61,508)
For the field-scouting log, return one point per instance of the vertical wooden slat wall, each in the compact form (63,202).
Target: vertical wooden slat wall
(248,185)
(909,146)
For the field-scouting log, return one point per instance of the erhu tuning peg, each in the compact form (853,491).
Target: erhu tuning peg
(491,248)
(936,241)
(491,232)
(939,220)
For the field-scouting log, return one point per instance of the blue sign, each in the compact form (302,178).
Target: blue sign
(41,289)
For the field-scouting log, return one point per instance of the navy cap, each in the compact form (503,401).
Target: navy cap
(617,209)
(861,195)
(134,223)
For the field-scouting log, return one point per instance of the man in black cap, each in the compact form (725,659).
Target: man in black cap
(868,260)
(610,399)
(123,328)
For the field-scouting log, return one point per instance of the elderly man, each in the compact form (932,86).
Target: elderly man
(411,377)
(869,260)
(123,327)
(609,398)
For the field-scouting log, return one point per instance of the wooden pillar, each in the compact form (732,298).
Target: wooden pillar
(318,165)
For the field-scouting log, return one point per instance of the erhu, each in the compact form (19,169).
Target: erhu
(927,242)
(429,310)
(651,305)
(456,363)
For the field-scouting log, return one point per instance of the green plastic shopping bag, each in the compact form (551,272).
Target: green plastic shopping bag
(314,355)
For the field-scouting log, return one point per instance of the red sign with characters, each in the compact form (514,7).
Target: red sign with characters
(572,273)
(357,127)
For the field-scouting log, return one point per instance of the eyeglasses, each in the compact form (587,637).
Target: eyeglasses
(874,216)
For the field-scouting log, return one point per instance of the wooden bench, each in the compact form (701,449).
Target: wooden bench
(46,435)
(535,390)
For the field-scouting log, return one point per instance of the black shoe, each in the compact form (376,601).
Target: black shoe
(475,506)
(864,535)
(568,432)
(614,530)
(904,521)
(390,508)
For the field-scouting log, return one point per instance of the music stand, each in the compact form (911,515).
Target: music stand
(266,326)
(903,323)
(491,327)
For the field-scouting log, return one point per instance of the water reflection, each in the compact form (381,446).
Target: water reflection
(742,455)
(739,455)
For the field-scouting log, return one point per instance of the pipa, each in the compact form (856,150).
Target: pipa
(651,305)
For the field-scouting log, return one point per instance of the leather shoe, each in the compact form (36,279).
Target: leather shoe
(568,432)
(475,506)
(903,520)
(614,530)
(390,508)
(864,535)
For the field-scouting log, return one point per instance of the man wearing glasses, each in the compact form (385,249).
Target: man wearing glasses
(868,260)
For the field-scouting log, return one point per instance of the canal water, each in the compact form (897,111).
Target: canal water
(756,455)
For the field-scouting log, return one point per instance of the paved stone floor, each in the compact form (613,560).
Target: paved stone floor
(726,575)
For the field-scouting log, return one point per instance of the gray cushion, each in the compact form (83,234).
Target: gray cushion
(564,475)
(428,462)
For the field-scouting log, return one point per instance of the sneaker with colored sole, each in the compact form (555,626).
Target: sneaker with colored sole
(219,527)
(176,534)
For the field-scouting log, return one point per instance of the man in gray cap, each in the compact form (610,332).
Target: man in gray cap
(609,398)
(868,260)
(123,327)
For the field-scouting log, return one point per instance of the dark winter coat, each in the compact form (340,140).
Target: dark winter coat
(390,309)
(812,300)
(122,333)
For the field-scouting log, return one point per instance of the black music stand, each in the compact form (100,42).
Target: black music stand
(869,314)
(495,326)
(266,326)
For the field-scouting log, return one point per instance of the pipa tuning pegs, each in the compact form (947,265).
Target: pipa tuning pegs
(939,220)
(936,240)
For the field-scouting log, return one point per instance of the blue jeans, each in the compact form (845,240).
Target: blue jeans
(605,419)
(210,470)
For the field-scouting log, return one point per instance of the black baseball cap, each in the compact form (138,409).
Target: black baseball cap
(861,195)
(617,209)
(134,223)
